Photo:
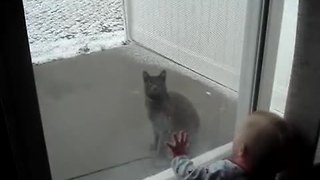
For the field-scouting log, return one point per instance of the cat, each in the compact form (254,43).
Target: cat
(168,112)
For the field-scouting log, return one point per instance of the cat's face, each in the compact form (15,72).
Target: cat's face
(155,86)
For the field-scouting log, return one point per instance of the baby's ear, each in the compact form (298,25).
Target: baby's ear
(145,75)
(163,75)
(243,150)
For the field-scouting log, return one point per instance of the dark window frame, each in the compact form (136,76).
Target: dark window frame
(19,104)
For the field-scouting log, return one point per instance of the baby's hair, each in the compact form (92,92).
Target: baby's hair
(265,138)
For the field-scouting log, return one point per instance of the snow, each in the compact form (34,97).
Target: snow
(65,48)
(65,28)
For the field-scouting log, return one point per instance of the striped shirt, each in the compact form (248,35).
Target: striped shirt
(220,170)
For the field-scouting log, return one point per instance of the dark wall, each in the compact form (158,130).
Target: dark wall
(19,105)
(303,103)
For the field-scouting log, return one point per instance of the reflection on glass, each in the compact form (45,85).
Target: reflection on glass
(107,106)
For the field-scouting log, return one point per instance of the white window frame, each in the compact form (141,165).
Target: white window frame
(263,24)
(203,159)
(270,54)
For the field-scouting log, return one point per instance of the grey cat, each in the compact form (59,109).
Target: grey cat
(168,112)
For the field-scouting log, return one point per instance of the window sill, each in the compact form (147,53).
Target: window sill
(203,159)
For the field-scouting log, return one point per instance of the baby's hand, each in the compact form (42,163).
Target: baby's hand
(179,145)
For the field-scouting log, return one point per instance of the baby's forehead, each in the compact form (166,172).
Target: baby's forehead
(260,124)
(269,127)
(265,115)
(264,118)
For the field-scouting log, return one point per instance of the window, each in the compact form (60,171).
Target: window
(105,78)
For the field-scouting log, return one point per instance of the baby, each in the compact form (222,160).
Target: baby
(259,152)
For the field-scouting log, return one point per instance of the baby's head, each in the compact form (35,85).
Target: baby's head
(262,143)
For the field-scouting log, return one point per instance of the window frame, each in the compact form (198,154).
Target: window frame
(27,138)
(18,97)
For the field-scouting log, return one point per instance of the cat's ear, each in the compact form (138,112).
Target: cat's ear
(146,75)
(163,75)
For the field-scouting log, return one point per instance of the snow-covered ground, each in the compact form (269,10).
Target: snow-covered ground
(65,28)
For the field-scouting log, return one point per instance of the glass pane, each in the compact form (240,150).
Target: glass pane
(108,105)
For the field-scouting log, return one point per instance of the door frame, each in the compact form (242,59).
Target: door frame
(18,96)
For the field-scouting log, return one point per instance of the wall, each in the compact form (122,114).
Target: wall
(206,36)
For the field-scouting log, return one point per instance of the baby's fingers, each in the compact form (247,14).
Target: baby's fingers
(171,146)
(185,137)
(175,138)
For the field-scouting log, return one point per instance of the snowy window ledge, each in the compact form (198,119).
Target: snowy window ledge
(201,160)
